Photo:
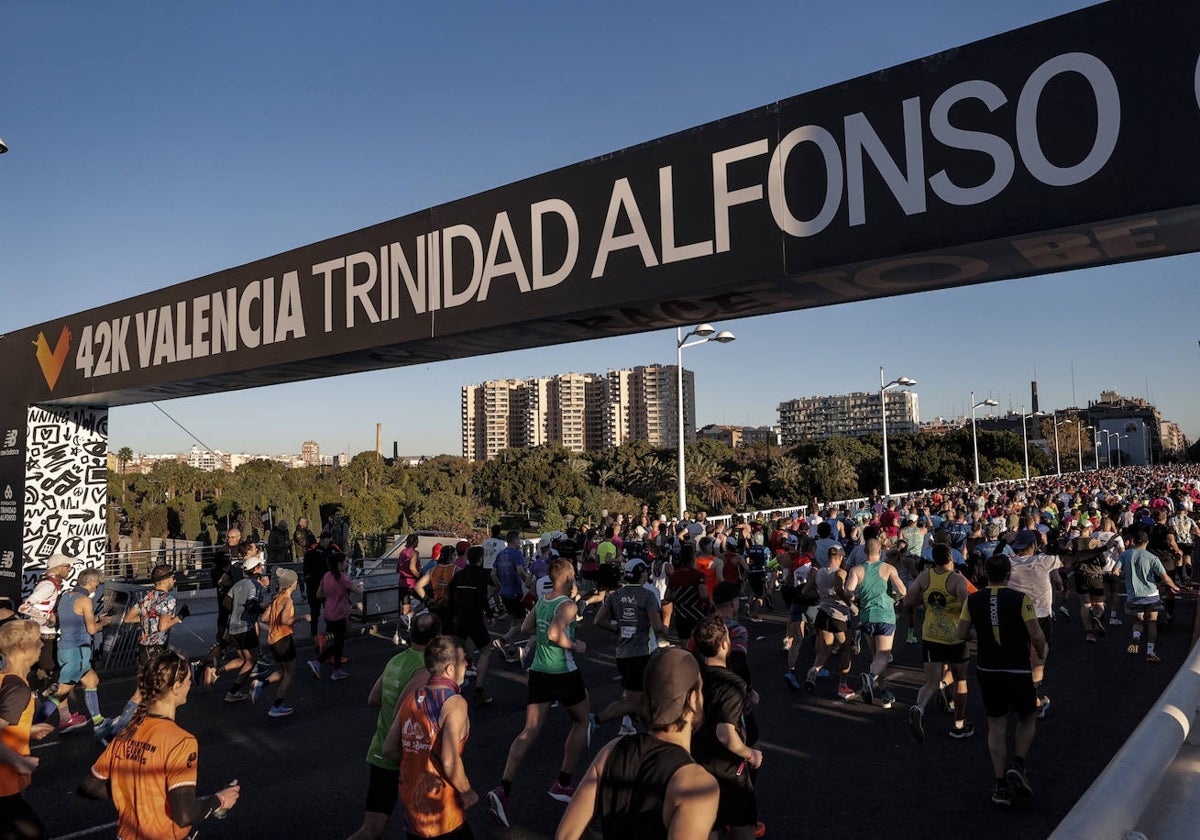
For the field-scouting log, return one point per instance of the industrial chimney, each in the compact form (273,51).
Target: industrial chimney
(1033,390)
(378,440)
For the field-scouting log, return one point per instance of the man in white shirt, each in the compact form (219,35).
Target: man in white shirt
(1036,574)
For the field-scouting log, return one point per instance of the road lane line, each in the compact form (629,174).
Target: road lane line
(85,832)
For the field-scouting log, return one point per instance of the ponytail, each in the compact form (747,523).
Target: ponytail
(155,679)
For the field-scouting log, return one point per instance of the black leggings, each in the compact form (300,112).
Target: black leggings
(18,821)
(336,629)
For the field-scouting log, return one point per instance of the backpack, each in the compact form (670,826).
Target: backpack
(439,579)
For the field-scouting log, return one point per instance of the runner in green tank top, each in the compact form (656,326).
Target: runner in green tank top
(553,677)
(877,615)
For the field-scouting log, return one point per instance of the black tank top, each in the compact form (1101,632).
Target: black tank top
(633,787)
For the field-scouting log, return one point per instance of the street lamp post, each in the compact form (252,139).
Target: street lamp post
(974,440)
(705,333)
(1057,459)
(1025,437)
(1107,445)
(1118,437)
(1079,441)
(902,382)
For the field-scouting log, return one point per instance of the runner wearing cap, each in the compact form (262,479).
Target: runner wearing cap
(638,785)
(41,606)
(78,623)
(634,613)
(243,629)
(834,611)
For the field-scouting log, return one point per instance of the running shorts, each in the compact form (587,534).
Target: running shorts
(950,654)
(757,583)
(1003,692)
(383,789)
(245,641)
(1047,625)
(633,670)
(568,689)
(74,662)
(475,630)
(877,628)
(830,624)
(284,650)
(1088,583)
(1142,605)
(737,806)
(514,607)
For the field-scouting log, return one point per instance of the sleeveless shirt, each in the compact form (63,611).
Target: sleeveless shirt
(633,787)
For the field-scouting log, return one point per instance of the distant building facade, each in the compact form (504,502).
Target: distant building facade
(739,436)
(583,412)
(847,415)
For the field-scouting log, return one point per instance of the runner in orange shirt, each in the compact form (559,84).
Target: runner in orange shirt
(149,770)
(21,645)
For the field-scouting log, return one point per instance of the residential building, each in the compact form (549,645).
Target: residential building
(847,415)
(739,436)
(310,453)
(583,412)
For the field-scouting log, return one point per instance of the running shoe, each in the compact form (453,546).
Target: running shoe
(1018,781)
(561,793)
(1001,797)
(1153,658)
(627,726)
(1089,637)
(911,638)
(1098,627)
(916,726)
(1064,613)
(498,805)
(282,710)
(314,665)
(74,722)
(967,731)
(792,680)
(102,731)
(845,692)
(1113,621)
(868,689)
(232,696)
(593,728)
(482,697)
(810,680)
(1043,706)
(1132,649)
(339,674)
(887,699)
(760,829)
(256,687)
(823,673)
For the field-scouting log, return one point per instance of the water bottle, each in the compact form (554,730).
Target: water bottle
(222,813)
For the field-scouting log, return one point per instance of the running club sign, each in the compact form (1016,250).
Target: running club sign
(1066,144)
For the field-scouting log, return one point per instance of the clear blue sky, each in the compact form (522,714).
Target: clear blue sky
(155,143)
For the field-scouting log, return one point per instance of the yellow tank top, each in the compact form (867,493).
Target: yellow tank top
(942,609)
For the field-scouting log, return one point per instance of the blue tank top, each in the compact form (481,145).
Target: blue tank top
(72,631)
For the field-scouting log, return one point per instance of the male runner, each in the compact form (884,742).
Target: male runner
(639,784)
(1031,571)
(1007,627)
(632,612)
(553,677)
(943,591)
(77,624)
(1143,571)
(877,617)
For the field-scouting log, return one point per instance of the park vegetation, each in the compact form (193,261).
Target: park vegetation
(545,488)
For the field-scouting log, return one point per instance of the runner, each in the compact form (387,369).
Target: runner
(317,561)
(468,593)
(78,623)
(687,594)
(635,615)
(42,606)
(434,726)
(21,646)
(281,618)
(158,612)
(553,677)
(1007,628)
(336,589)
(1143,573)
(638,785)
(245,608)
(720,742)
(383,782)
(408,568)
(943,591)
(877,618)
(1033,574)
(834,610)
(150,771)
(512,578)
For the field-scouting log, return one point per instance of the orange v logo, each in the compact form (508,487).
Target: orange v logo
(52,362)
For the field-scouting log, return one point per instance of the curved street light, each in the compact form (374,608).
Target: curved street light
(974,440)
(1057,459)
(704,333)
(3,147)
(902,382)
(1025,436)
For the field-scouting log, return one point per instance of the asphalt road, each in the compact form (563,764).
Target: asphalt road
(831,768)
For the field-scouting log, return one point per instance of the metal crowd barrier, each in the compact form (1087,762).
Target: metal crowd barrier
(1128,800)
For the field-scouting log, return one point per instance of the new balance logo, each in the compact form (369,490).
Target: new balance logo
(10,438)
(8,559)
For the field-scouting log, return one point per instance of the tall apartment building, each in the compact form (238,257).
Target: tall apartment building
(310,453)
(583,412)
(847,415)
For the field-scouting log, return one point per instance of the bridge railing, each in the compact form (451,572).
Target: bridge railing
(1129,794)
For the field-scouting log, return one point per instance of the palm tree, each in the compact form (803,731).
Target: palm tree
(124,456)
(603,477)
(743,480)
(785,475)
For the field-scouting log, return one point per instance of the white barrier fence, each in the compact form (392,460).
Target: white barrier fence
(1149,788)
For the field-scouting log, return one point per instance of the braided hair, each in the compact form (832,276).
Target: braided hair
(155,680)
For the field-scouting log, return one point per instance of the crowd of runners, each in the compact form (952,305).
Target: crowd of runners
(982,570)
